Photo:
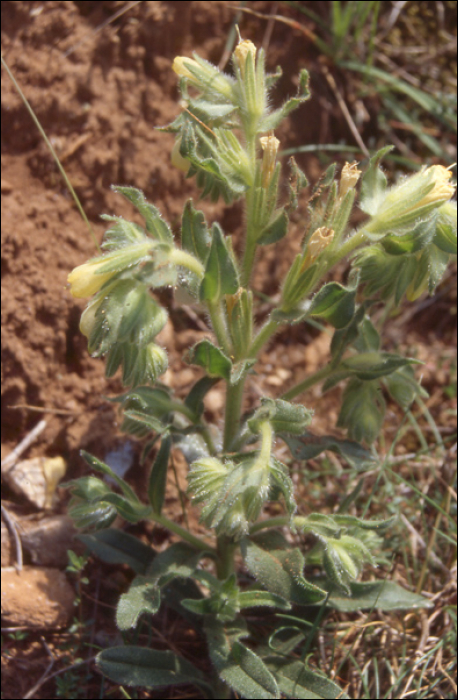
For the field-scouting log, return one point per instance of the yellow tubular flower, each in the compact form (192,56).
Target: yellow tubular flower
(443,190)
(84,280)
(348,178)
(319,240)
(181,70)
(241,52)
(177,159)
(269,145)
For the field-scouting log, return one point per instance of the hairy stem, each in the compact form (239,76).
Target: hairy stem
(181,532)
(234,399)
(309,382)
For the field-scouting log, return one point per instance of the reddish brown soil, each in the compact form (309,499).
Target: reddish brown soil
(99,90)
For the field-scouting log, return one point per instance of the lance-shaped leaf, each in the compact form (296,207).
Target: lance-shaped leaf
(309,446)
(143,596)
(279,569)
(240,313)
(220,272)
(445,236)
(148,668)
(421,235)
(155,224)
(194,399)
(403,387)
(211,358)
(335,303)
(343,559)
(303,93)
(178,561)
(362,410)
(296,680)
(158,476)
(237,665)
(117,547)
(372,365)
(296,184)
(373,183)
(121,233)
(276,229)
(380,595)
(195,236)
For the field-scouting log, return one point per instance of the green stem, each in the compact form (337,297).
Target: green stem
(309,382)
(225,562)
(348,247)
(181,532)
(264,335)
(220,326)
(278,521)
(234,398)
(181,257)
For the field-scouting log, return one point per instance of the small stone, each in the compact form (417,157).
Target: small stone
(36,597)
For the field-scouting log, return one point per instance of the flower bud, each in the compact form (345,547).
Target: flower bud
(85,280)
(180,64)
(88,320)
(241,52)
(269,145)
(319,240)
(177,159)
(348,178)
(202,74)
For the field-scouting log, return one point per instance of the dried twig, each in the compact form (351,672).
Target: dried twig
(9,462)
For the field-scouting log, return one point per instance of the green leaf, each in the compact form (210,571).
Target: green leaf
(100,466)
(403,387)
(372,365)
(158,476)
(118,547)
(239,369)
(280,570)
(237,665)
(178,561)
(147,422)
(335,303)
(143,596)
(373,183)
(148,668)
(368,339)
(344,337)
(220,273)
(258,598)
(296,680)
(309,446)
(195,236)
(362,410)
(420,236)
(297,182)
(276,229)
(446,228)
(212,359)
(155,224)
(96,515)
(272,120)
(194,399)
(122,233)
(382,595)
